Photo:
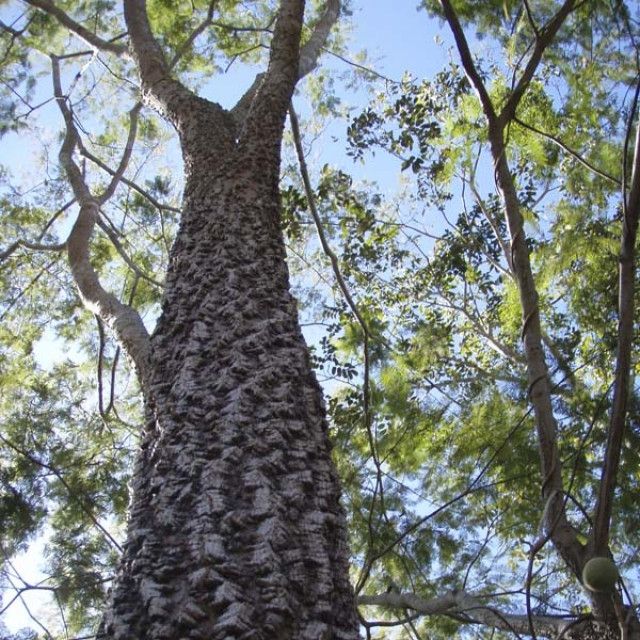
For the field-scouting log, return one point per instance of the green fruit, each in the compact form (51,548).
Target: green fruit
(600,574)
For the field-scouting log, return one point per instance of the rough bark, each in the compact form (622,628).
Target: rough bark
(235,528)
(235,525)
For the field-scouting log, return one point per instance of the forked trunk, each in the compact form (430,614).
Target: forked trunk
(235,529)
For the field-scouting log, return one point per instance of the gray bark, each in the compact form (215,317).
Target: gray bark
(236,530)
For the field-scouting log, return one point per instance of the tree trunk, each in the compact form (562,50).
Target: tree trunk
(235,528)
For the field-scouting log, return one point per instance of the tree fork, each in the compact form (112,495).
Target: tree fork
(235,529)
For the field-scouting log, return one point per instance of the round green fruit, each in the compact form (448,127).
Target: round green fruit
(600,574)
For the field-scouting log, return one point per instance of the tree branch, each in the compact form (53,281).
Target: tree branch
(34,246)
(311,50)
(308,57)
(93,40)
(122,319)
(562,533)
(626,286)
(544,38)
(105,167)
(469,607)
(126,156)
(467,60)
(574,154)
(126,257)
(159,89)
(194,35)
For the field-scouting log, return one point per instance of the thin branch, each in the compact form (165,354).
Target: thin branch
(37,245)
(34,246)
(125,256)
(335,265)
(121,318)
(356,65)
(47,633)
(543,39)
(9,304)
(133,185)
(44,465)
(126,155)
(626,286)
(194,35)
(574,154)
(532,22)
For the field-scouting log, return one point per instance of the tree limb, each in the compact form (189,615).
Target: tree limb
(626,286)
(308,57)
(159,88)
(544,38)
(467,60)
(469,607)
(122,319)
(311,50)
(93,40)
(563,535)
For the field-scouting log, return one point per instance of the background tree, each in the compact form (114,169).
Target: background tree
(534,137)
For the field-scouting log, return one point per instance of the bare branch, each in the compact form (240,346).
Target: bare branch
(532,22)
(335,265)
(468,608)
(34,246)
(467,60)
(37,245)
(367,70)
(126,156)
(143,192)
(125,256)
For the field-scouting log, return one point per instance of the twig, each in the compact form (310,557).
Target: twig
(571,152)
(378,490)
(66,485)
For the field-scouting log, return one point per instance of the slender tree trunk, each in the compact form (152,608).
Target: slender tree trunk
(235,529)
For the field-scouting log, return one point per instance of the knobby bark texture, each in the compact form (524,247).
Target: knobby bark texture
(235,530)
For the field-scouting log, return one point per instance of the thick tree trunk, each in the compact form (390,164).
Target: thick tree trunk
(235,529)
